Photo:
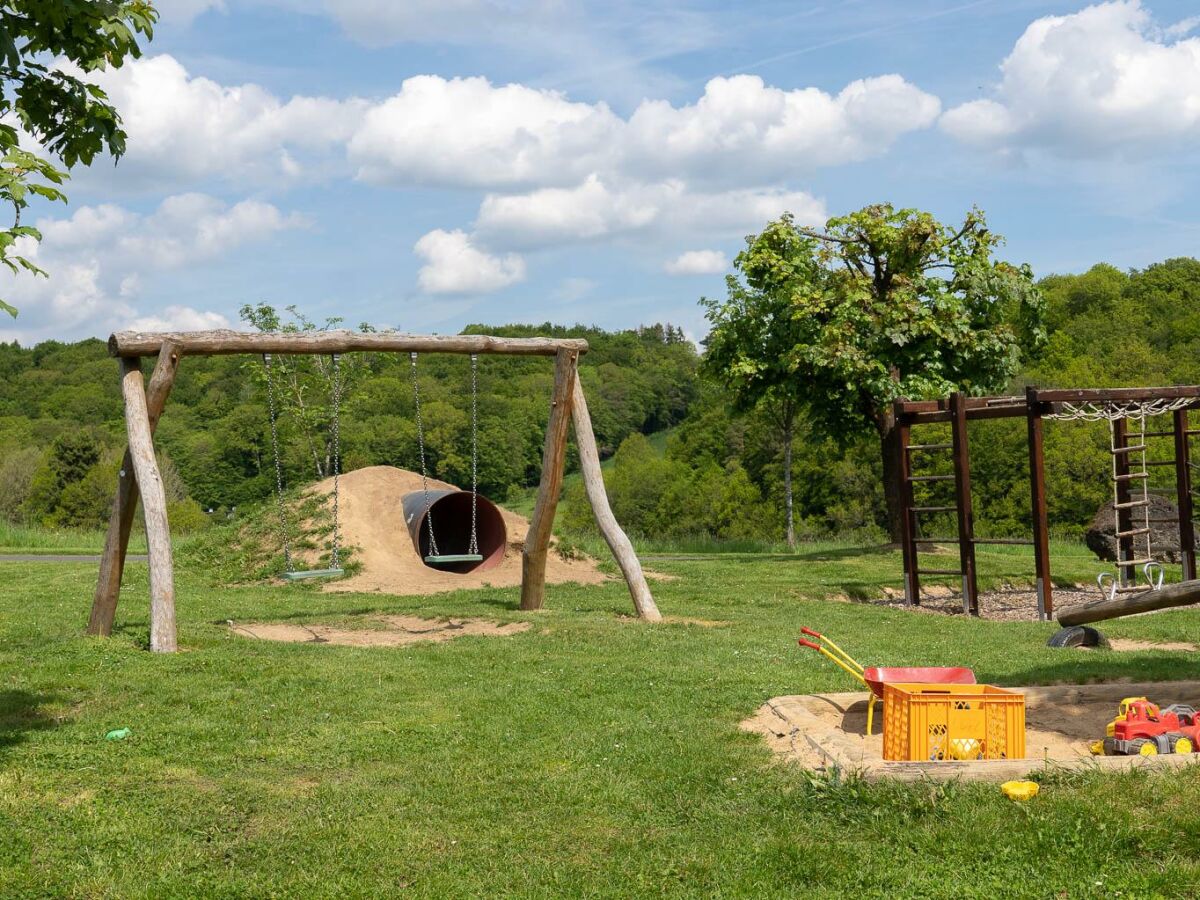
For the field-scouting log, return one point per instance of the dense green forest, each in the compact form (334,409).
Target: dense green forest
(717,472)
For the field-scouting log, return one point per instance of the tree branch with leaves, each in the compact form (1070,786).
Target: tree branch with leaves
(47,49)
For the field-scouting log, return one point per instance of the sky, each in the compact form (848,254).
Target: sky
(428,164)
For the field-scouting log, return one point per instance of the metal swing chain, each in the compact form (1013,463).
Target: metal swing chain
(474,546)
(335,556)
(433,547)
(283,536)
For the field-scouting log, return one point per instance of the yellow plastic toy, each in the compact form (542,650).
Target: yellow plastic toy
(1020,790)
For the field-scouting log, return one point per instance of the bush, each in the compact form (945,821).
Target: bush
(16,481)
(187,516)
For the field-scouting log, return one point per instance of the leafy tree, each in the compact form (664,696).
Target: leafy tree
(756,332)
(47,48)
(891,304)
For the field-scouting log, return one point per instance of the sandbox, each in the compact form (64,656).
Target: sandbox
(827,731)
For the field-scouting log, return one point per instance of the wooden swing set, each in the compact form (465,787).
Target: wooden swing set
(139,473)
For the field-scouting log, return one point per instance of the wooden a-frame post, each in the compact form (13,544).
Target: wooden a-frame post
(554,455)
(120,523)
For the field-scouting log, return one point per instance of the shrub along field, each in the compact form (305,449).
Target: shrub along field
(592,755)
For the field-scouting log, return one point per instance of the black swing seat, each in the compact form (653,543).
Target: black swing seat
(450,558)
(314,573)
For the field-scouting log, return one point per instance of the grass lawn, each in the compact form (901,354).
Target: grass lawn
(19,539)
(589,756)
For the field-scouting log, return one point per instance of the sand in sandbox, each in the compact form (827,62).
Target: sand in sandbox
(1061,721)
(397,631)
(372,522)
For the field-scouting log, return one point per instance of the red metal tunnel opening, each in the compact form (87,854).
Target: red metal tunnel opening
(451,514)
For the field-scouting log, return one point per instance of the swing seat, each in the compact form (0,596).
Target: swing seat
(314,573)
(448,558)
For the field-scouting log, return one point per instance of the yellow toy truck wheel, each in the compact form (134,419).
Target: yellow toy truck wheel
(1143,747)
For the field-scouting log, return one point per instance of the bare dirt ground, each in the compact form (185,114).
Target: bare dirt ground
(1061,722)
(1008,603)
(372,522)
(383,631)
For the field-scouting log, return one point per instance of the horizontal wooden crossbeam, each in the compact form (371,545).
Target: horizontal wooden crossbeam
(224,343)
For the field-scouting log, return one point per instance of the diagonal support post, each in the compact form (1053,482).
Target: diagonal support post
(541,523)
(120,523)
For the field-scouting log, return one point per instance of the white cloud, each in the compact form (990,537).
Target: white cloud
(179,318)
(99,257)
(594,210)
(466,132)
(1102,81)
(184,129)
(697,262)
(742,125)
(454,265)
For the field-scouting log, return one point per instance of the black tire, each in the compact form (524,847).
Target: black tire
(1110,746)
(1078,636)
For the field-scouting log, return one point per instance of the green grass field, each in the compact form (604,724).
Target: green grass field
(21,539)
(589,756)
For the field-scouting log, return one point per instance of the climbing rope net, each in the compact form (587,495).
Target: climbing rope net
(1124,476)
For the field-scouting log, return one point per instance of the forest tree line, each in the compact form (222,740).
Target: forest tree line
(713,470)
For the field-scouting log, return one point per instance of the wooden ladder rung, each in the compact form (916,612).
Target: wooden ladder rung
(929,446)
(1131,449)
(932,478)
(1131,504)
(1133,533)
(1133,476)
(938,572)
(1126,563)
(925,509)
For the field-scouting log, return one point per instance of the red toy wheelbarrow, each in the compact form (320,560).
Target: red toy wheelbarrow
(874,677)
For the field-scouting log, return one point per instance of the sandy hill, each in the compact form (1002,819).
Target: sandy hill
(372,522)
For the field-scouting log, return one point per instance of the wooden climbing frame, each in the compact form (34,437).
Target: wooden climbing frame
(140,475)
(1036,405)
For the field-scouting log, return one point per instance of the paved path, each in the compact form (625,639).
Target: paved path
(62,558)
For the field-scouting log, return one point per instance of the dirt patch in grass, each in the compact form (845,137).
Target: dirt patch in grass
(820,731)
(385,631)
(680,620)
(1009,603)
(1126,644)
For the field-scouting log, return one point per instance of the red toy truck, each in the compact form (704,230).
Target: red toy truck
(1142,729)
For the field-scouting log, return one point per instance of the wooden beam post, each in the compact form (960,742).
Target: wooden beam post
(1039,516)
(154,508)
(962,499)
(1183,495)
(120,523)
(908,517)
(541,524)
(593,482)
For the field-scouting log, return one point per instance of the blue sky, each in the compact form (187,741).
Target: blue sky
(424,165)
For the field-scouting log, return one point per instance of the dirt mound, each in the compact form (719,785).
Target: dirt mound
(396,631)
(372,522)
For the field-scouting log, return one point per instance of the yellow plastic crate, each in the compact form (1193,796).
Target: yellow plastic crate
(923,722)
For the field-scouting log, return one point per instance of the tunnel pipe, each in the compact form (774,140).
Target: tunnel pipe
(451,512)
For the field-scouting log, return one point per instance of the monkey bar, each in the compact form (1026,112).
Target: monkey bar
(139,472)
(1035,406)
